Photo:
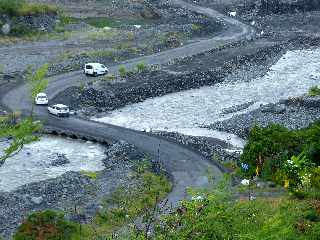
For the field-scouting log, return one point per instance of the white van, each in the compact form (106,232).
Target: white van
(95,69)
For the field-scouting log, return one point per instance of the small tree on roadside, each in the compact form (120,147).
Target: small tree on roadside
(20,134)
(37,82)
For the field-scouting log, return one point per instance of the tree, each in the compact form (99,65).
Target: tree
(20,134)
(37,82)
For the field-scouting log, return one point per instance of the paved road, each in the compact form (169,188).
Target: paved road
(187,168)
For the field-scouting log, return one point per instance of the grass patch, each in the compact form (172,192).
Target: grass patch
(89,174)
(102,34)
(15,8)
(314,91)
(101,22)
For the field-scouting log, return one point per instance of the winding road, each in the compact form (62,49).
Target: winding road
(186,167)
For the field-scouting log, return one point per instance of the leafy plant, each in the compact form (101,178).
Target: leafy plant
(92,175)
(21,133)
(140,67)
(46,225)
(122,71)
(268,150)
(314,91)
(23,8)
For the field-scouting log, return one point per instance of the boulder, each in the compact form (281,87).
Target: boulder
(6,28)
(59,159)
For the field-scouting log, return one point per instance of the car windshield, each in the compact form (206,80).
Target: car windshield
(42,97)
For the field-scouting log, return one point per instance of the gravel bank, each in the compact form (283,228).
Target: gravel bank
(71,189)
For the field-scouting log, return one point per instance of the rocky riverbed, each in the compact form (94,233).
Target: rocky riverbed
(83,189)
(293,113)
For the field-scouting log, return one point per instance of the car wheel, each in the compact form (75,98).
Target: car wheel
(95,74)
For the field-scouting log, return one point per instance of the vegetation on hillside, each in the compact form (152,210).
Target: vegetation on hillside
(15,8)
(120,209)
(288,157)
(46,225)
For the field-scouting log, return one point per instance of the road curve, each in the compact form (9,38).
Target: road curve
(186,167)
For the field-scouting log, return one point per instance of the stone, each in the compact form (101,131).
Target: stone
(6,28)
(37,200)
(59,159)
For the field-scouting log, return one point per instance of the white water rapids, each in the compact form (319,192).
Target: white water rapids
(33,163)
(185,111)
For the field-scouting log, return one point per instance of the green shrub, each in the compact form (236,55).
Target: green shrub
(122,71)
(141,67)
(220,218)
(109,77)
(11,7)
(268,150)
(315,178)
(23,8)
(273,143)
(46,225)
(314,91)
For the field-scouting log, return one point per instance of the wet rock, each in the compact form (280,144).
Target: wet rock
(294,113)
(6,28)
(272,108)
(59,159)
(237,108)
(37,200)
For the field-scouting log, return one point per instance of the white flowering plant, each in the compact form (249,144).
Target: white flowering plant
(297,171)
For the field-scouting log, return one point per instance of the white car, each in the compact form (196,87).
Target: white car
(95,69)
(41,99)
(59,110)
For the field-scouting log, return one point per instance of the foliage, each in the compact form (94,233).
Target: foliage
(127,203)
(109,77)
(23,8)
(219,217)
(102,34)
(46,225)
(141,67)
(122,71)
(195,27)
(314,91)
(315,177)
(20,134)
(89,174)
(283,155)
